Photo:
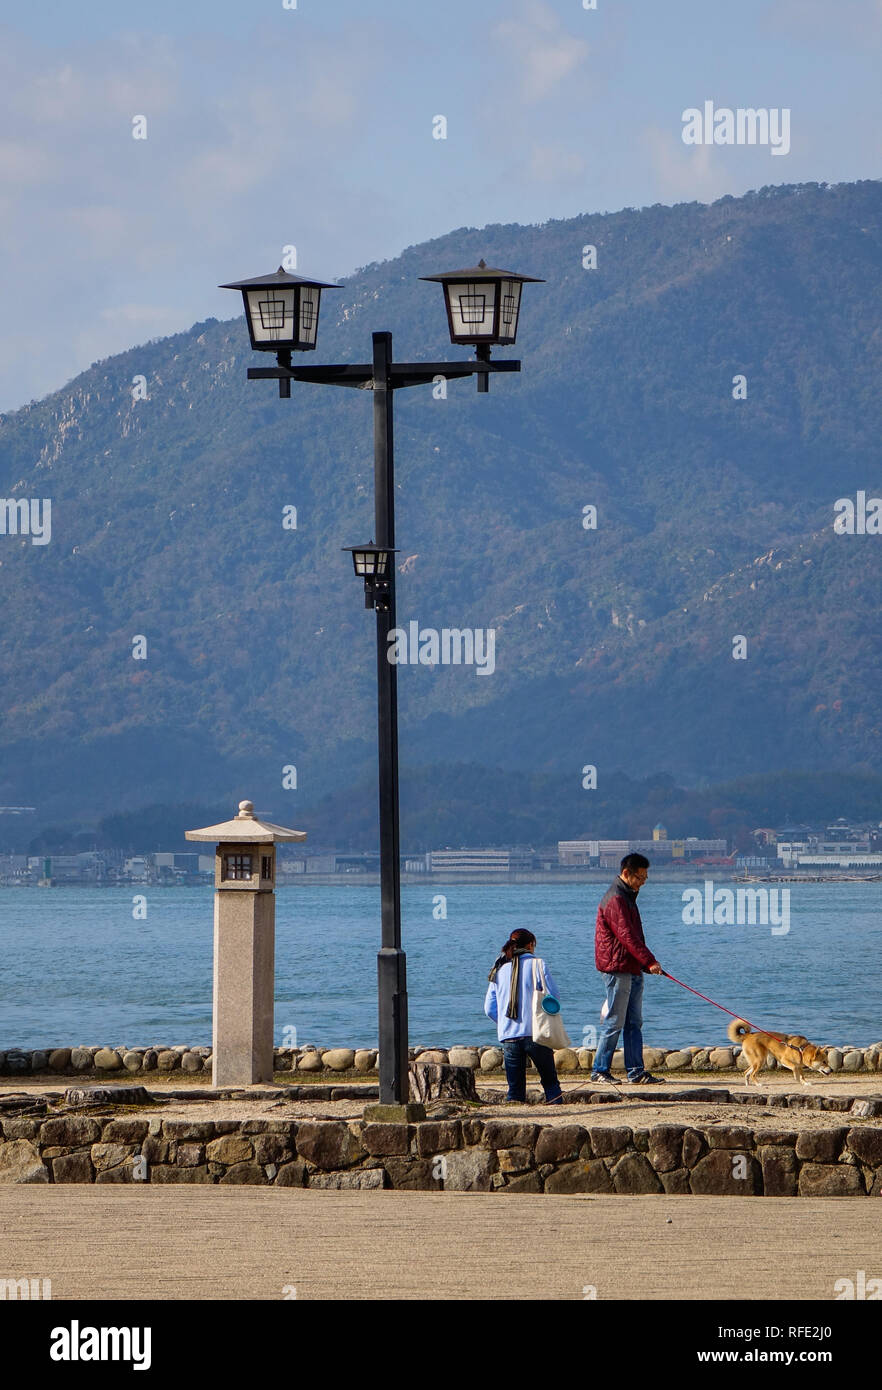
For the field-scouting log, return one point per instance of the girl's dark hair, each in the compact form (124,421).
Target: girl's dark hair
(519,938)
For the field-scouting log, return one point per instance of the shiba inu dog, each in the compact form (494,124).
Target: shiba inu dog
(795,1052)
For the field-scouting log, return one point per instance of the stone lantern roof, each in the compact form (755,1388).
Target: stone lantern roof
(245,827)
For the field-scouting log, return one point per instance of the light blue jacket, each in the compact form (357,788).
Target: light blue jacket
(498,990)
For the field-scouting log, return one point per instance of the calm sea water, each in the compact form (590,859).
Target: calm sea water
(77,969)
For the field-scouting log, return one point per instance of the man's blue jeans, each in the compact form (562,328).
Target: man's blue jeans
(624,995)
(515,1052)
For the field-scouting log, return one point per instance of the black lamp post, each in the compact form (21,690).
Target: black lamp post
(482,310)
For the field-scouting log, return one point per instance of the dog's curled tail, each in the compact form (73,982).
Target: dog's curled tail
(738,1029)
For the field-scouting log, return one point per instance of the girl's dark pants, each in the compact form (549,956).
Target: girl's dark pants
(515,1052)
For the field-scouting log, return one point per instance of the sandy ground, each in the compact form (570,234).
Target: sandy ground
(199,1243)
(634,1106)
(206,1243)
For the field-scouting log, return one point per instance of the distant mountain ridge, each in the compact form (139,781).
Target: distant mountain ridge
(613,646)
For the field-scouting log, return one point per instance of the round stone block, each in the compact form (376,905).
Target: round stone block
(339,1058)
(566,1059)
(106,1059)
(310,1061)
(677,1061)
(464,1057)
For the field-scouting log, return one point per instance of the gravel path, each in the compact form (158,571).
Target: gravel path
(241,1242)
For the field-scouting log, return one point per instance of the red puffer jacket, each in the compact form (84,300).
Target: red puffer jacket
(618,939)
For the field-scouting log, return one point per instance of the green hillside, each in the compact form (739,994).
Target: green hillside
(613,646)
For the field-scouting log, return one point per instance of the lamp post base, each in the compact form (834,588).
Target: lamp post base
(409,1113)
(392,982)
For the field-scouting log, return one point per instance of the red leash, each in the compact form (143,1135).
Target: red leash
(740,1017)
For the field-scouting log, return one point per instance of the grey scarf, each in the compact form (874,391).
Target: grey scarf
(514,993)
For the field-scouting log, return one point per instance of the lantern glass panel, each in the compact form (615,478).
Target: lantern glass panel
(369,563)
(472,308)
(509,307)
(309,310)
(236,867)
(271,313)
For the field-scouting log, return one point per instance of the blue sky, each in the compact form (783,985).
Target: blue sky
(313,127)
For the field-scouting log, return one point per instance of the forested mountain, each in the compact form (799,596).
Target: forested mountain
(614,645)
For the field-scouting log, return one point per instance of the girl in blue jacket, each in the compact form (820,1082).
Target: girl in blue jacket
(509,1003)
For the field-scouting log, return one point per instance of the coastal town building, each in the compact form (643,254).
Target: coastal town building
(833,854)
(478,861)
(608,854)
(89,867)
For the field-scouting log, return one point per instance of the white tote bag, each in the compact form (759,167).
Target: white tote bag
(548,1028)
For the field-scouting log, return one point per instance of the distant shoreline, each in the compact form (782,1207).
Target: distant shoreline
(586,876)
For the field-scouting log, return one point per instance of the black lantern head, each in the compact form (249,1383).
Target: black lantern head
(373,564)
(483,303)
(282,310)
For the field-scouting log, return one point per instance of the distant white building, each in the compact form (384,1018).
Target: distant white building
(608,854)
(477,861)
(789,851)
(137,869)
(187,863)
(852,858)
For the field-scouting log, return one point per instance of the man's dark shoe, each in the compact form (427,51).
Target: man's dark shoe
(602,1078)
(555,1100)
(647,1079)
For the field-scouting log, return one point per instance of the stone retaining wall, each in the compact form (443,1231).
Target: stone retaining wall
(453,1155)
(70,1061)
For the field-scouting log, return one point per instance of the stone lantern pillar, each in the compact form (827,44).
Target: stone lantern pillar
(244,945)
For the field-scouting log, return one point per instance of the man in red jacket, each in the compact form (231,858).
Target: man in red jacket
(621,953)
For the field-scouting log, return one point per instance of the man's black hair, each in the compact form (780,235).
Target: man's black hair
(634,861)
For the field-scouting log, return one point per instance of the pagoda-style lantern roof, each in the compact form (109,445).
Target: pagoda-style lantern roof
(245,827)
